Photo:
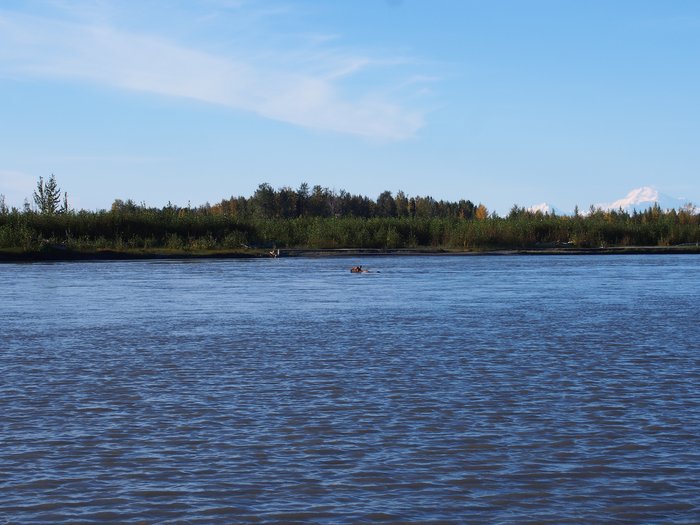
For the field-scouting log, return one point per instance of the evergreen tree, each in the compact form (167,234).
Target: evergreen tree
(65,208)
(302,199)
(47,196)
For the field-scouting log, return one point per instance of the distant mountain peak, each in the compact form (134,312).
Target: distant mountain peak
(643,195)
(639,199)
(642,198)
(543,208)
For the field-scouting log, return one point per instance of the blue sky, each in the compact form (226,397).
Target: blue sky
(501,102)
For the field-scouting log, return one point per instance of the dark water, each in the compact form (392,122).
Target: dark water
(440,390)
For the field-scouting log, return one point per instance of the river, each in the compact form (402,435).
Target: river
(434,389)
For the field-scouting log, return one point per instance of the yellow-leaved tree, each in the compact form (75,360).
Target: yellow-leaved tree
(481,212)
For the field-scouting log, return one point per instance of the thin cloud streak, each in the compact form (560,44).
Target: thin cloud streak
(44,48)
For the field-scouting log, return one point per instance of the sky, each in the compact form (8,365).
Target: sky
(501,102)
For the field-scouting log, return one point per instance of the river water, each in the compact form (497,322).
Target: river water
(559,389)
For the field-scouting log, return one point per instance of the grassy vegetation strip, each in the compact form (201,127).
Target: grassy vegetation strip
(149,232)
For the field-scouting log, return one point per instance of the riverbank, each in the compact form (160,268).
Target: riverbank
(64,254)
(615,250)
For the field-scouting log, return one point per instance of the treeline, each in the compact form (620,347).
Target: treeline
(320,202)
(320,218)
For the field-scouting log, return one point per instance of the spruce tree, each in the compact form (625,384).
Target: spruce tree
(47,196)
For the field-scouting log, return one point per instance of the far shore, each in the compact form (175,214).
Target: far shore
(62,254)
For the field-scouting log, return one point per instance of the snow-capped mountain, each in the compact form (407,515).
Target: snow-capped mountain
(643,198)
(639,199)
(544,208)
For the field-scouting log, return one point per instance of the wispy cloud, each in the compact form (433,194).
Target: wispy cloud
(309,93)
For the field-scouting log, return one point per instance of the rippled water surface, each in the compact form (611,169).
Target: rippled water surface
(437,389)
